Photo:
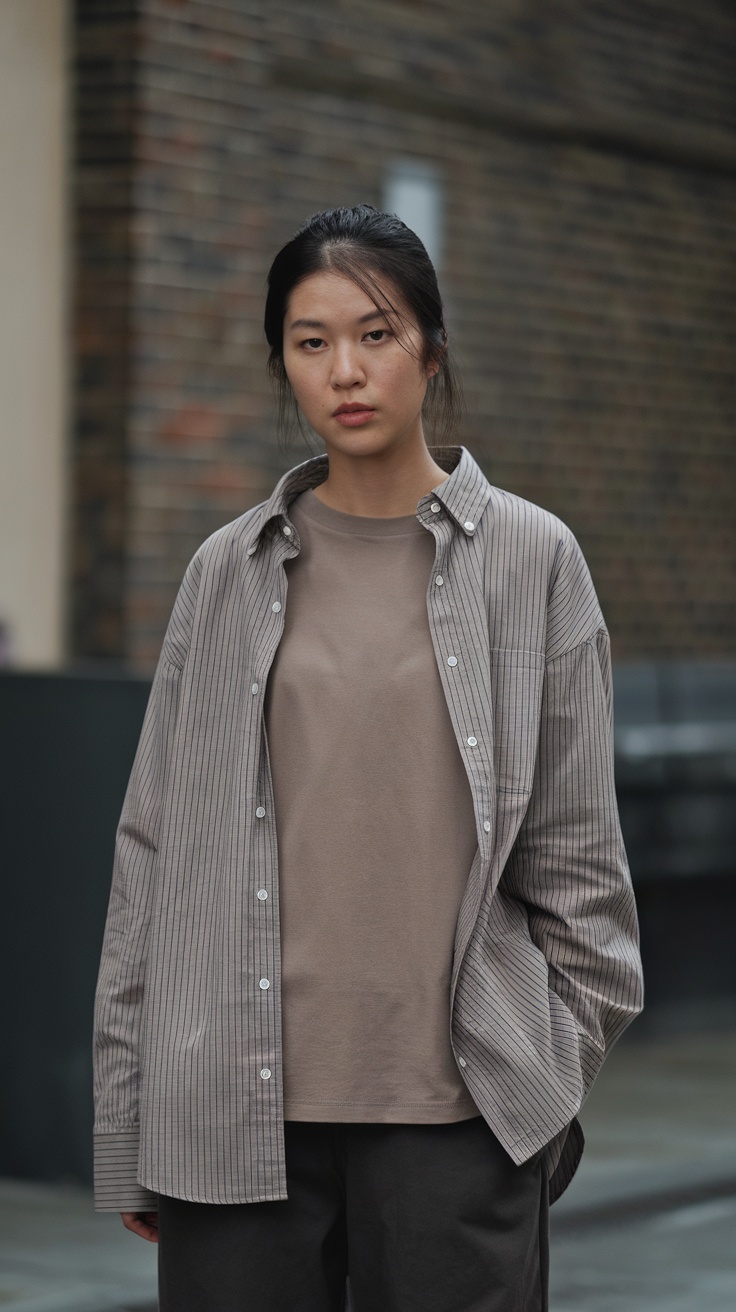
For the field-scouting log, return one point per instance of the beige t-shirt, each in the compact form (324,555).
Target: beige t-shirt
(375,827)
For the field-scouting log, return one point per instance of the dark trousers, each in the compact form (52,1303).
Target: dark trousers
(423,1218)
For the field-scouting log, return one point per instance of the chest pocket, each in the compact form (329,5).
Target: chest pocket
(516,681)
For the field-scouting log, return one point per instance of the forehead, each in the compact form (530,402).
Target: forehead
(331,296)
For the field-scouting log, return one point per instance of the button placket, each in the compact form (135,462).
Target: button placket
(285,545)
(446,635)
(262,895)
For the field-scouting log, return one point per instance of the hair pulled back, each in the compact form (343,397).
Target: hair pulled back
(378,252)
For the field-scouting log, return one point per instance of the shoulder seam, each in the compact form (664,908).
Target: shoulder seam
(583,642)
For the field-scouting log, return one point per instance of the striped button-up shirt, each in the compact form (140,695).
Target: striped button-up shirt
(546,971)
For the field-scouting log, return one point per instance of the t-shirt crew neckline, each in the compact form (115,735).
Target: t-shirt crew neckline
(356,525)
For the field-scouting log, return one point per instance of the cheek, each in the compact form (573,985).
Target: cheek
(410,378)
(309,389)
(298,377)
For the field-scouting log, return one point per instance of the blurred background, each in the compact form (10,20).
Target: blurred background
(571,167)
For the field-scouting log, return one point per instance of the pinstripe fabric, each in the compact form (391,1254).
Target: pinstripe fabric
(546,971)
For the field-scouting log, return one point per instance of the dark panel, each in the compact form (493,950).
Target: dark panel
(66,748)
(687,933)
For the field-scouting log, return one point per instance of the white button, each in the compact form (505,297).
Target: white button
(260,812)
(276,606)
(264,984)
(435,506)
(439,580)
(452,660)
(254,687)
(265,1073)
(469,525)
(472,742)
(287,530)
(461,1061)
(262,894)
(487,826)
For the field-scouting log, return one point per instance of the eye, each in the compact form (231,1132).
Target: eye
(312,342)
(377,333)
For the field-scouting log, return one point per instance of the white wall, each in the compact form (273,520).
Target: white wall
(412,189)
(33,327)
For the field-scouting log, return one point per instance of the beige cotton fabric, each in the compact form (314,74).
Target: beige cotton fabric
(375,826)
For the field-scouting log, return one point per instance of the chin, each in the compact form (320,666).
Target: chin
(358,442)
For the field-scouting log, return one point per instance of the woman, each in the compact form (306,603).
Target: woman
(371,928)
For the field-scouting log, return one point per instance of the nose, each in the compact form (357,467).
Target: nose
(347,367)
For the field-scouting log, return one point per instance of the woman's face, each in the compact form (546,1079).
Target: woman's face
(340,351)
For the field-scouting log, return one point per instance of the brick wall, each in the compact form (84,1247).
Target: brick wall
(104,106)
(589,160)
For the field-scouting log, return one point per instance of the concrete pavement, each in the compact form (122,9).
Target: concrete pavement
(649,1222)
(58,1255)
(660,1124)
(647,1225)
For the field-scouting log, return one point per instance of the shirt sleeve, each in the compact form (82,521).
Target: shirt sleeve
(569,865)
(119,995)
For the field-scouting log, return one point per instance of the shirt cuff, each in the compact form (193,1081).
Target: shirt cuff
(116,1174)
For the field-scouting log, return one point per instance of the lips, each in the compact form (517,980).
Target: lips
(354,415)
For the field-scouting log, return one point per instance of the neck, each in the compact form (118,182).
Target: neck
(380,485)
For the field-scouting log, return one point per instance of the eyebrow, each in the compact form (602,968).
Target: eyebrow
(316,323)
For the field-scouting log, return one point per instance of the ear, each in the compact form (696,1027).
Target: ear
(432,368)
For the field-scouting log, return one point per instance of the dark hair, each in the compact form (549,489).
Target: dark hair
(363,243)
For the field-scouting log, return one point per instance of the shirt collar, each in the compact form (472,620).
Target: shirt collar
(464,495)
